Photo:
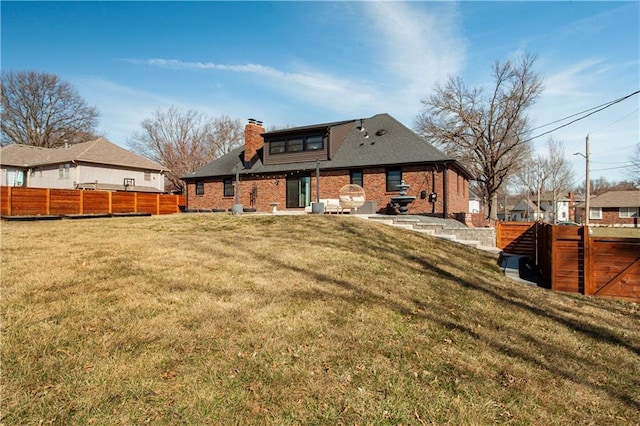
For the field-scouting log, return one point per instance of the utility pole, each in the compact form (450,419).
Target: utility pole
(587,191)
(539,185)
(588,187)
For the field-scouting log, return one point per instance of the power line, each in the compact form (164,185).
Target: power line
(599,108)
(612,168)
(617,121)
(571,116)
(611,162)
(615,150)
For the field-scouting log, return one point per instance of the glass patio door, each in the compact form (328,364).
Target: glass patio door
(298,192)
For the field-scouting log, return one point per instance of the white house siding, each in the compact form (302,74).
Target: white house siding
(12,177)
(49,176)
(563,211)
(111,175)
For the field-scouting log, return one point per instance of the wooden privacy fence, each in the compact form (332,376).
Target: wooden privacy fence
(18,201)
(572,260)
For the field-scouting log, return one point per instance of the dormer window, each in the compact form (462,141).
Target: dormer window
(296,144)
(277,147)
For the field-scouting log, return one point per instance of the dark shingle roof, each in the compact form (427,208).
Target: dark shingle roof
(389,143)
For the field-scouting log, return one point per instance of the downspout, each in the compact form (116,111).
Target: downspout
(433,188)
(186,195)
(445,193)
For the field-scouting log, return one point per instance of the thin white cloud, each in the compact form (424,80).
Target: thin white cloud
(421,43)
(415,44)
(575,79)
(308,85)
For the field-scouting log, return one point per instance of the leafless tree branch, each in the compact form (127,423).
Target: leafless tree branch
(41,110)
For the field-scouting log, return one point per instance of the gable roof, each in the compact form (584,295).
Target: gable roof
(389,143)
(98,151)
(529,205)
(616,199)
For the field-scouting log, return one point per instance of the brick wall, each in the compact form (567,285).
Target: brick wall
(272,188)
(611,216)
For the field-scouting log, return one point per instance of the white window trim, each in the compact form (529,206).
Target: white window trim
(630,212)
(595,213)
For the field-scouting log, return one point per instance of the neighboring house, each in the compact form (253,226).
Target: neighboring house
(97,164)
(563,211)
(279,168)
(474,202)
(615,208)
(526,211)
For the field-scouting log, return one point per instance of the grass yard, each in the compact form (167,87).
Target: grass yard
(212,319)
(601,231)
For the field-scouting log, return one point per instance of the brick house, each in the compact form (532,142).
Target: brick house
(376,153)
(615,208)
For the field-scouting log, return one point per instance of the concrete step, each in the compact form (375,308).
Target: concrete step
(406,226)
(446,237)
(472,243)
(489,249)
(425,231)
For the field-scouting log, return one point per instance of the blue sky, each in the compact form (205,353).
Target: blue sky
(299,63)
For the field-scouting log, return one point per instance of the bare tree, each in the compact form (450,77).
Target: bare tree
(184,140)
(487,132)
(559,172)
(41,110)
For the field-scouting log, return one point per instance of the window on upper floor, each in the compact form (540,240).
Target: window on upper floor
(296,144)
(147,175)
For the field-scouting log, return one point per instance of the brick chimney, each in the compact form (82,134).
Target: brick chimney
(253,141)
(572,207)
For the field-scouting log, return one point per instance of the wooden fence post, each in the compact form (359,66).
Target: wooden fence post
(554,262)
(48,208)
(81,201)
(158,204)
(9,200)
(587,262)
(110,203)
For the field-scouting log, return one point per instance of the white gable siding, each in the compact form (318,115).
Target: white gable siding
(49,176)
(111,175)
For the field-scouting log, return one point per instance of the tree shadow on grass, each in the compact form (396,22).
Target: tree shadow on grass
(405,249)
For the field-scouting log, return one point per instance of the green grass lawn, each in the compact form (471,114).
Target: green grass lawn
(212,319)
